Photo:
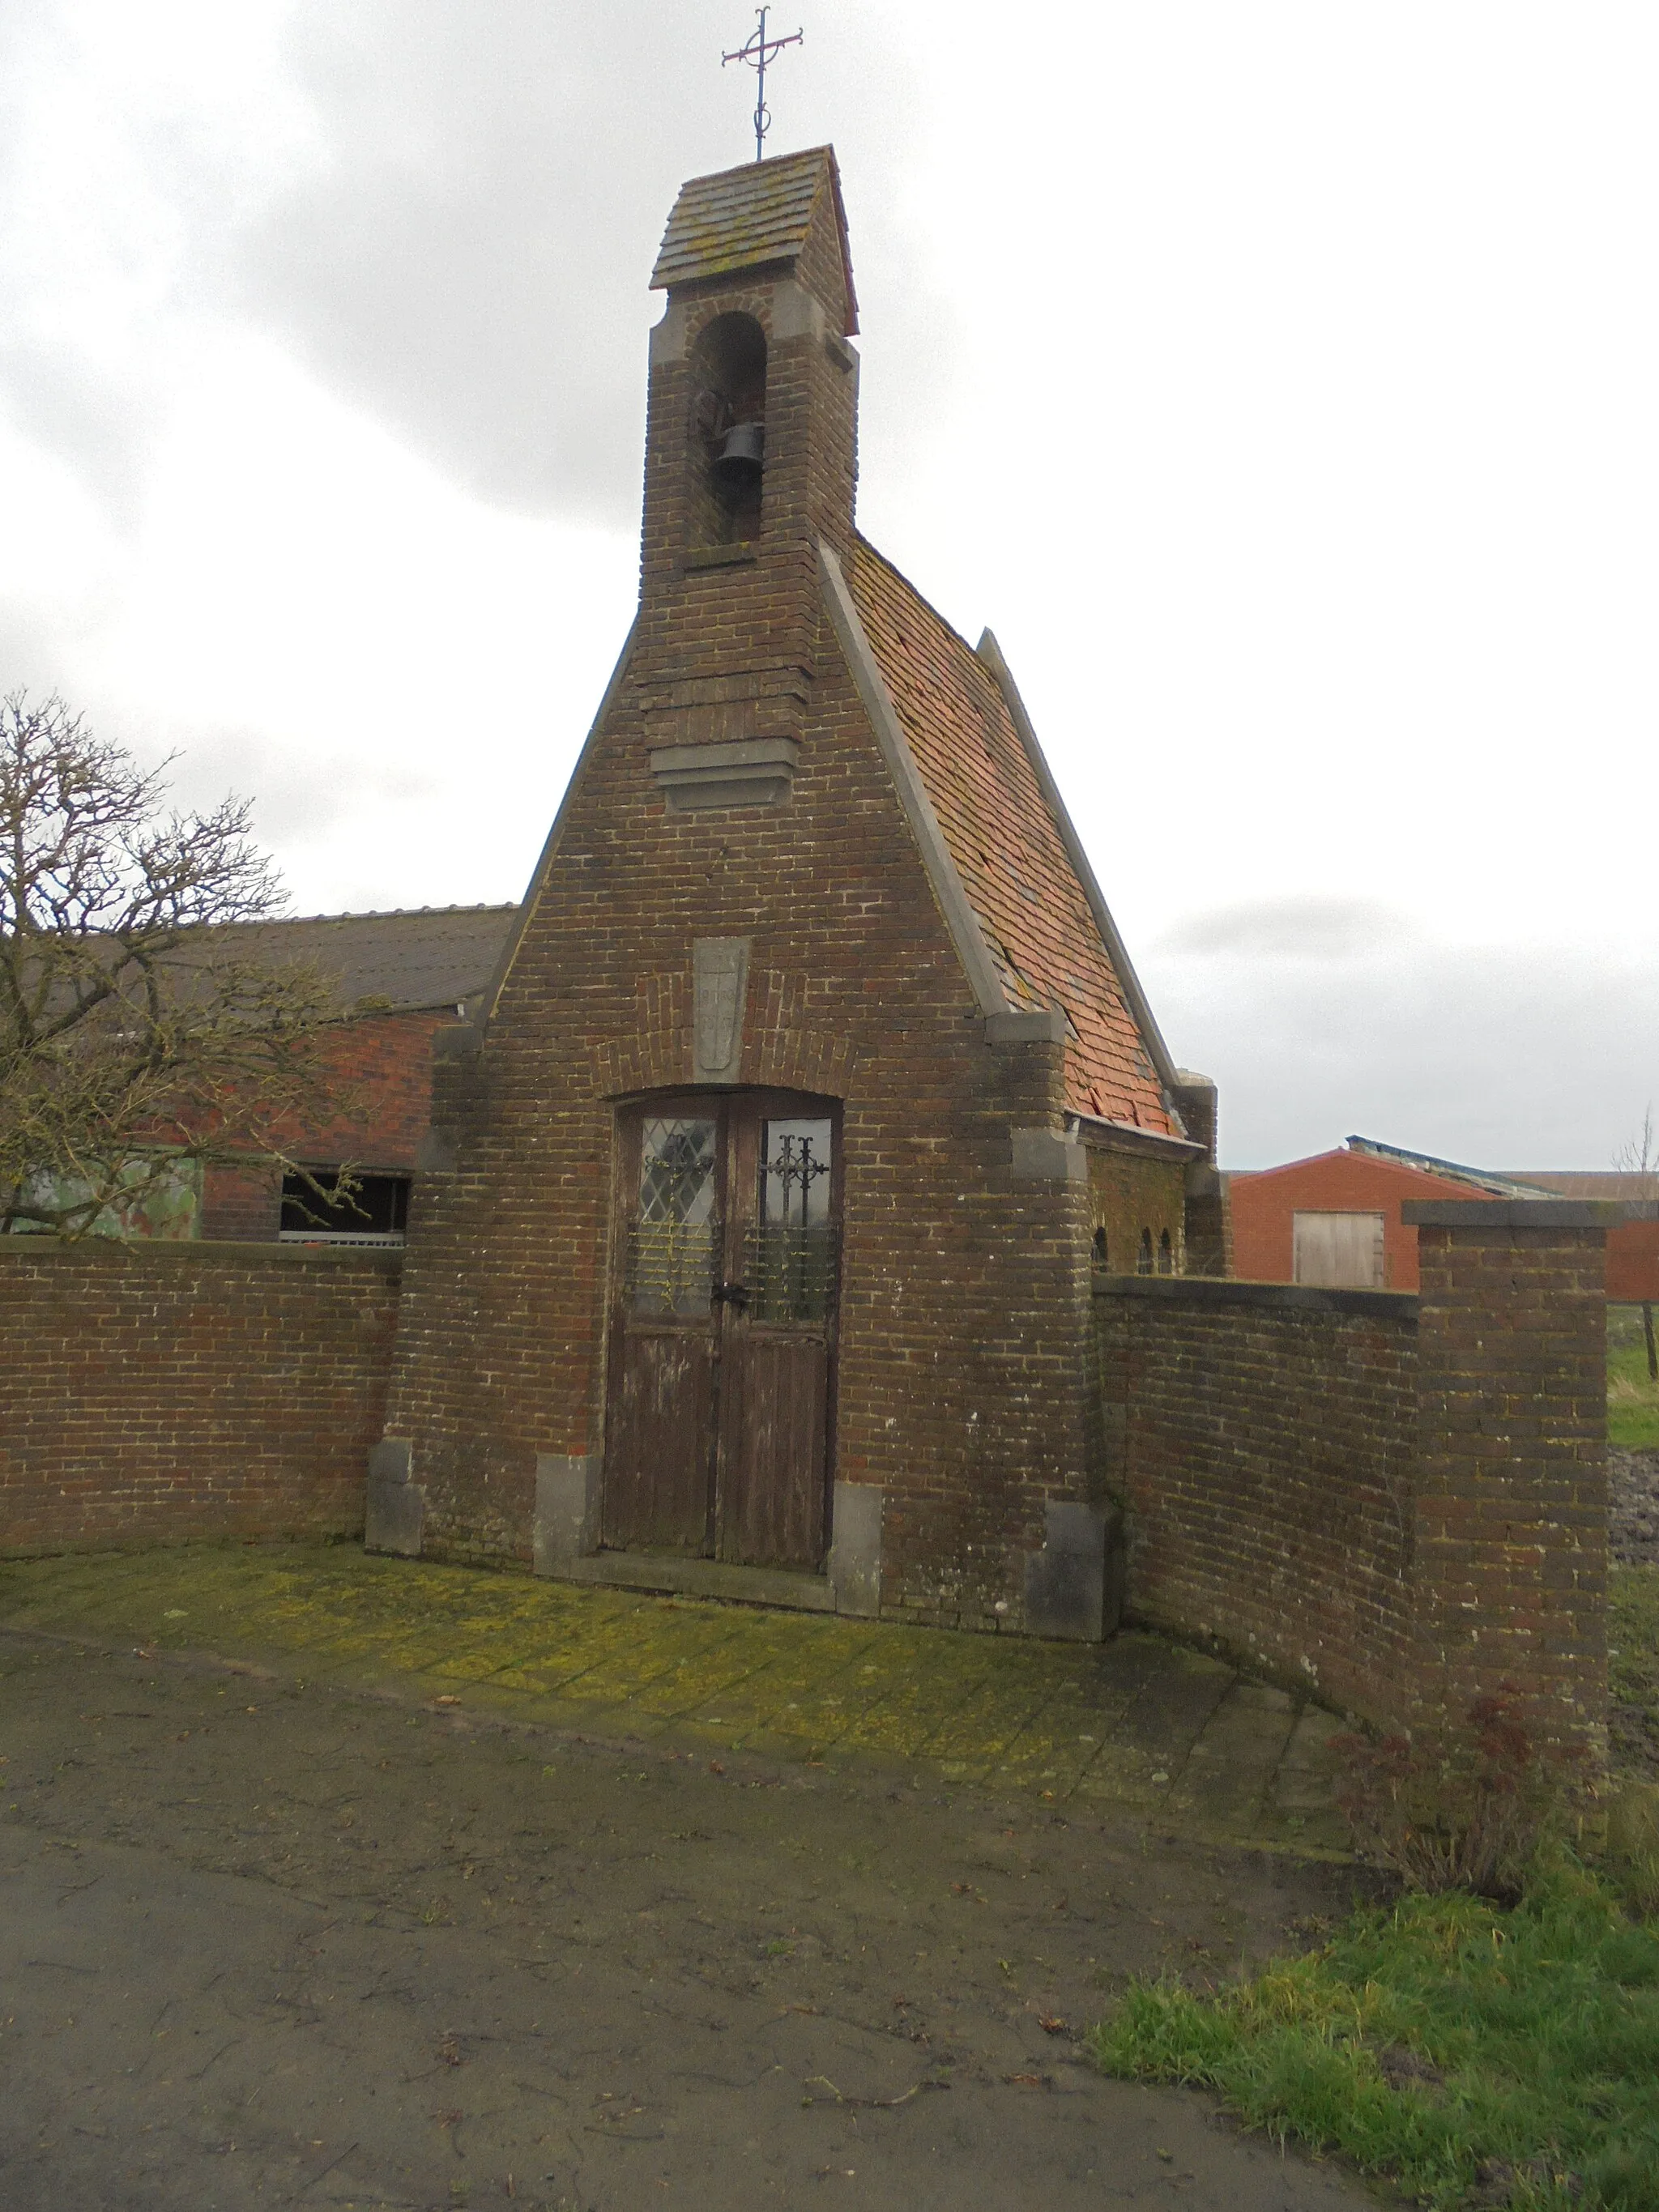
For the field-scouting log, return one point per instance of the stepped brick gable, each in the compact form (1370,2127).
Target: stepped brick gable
(752,1248)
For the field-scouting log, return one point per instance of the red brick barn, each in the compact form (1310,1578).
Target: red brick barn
(397,979)
(816,1083)
(1632,1246)
(1334,1220)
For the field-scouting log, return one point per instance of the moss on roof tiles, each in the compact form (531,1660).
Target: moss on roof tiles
(744,218)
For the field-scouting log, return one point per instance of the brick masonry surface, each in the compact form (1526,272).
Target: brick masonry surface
(1512,1487)
(154,1393)
(963,1376)
(1264,1443)
(381,1065)
(1400,1502)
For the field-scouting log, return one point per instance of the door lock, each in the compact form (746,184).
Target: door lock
(731,1294)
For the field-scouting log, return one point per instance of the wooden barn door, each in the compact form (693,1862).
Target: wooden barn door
(722,1346)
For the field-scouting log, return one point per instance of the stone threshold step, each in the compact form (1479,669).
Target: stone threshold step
(668,1574)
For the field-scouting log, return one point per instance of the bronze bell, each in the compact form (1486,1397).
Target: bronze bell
(737,464)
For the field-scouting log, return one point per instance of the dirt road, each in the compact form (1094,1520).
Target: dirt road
(267,1943)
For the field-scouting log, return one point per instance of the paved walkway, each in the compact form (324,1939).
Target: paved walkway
(1139,1725)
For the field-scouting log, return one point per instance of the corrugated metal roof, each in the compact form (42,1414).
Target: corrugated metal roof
(1495,1185)
(421,957)
(743,218)
(1006,845)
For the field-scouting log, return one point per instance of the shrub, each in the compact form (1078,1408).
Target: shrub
(1470,1820)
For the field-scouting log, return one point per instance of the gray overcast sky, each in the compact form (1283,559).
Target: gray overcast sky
(1276,379)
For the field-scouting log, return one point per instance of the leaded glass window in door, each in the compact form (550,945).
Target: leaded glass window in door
(792,1261)
(674,1240)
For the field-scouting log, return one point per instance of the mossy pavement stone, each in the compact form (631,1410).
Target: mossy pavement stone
(1139,1725)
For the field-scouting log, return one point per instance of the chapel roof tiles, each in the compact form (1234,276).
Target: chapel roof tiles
(1005,844)
(744,218)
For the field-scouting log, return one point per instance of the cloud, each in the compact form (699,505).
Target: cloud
(1305,927)
(468,259)
(1497,1056)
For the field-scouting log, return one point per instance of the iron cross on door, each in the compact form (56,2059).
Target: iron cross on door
(721,1384)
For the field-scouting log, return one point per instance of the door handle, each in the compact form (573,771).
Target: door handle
(731,1294)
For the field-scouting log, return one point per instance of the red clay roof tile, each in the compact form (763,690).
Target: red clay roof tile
(1006,845)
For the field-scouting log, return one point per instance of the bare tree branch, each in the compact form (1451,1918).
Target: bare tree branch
(141,1038)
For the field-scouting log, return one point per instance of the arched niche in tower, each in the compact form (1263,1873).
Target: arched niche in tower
(727,442)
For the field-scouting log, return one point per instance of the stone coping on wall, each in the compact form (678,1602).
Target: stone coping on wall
(1272,1297)
(388,1258)
(1507,1213)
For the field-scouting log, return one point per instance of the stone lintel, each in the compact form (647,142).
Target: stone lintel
(751,772)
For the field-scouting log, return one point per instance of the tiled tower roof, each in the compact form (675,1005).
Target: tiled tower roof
(744,218)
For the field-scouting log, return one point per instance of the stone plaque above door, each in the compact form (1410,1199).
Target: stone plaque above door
(720,979)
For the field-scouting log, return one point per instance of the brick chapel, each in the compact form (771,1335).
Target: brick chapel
(752,1248)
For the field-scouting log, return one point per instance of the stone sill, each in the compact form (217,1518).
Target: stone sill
(666,1574)
(720,557)
(388,1258)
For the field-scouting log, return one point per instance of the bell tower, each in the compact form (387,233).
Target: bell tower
(751,461)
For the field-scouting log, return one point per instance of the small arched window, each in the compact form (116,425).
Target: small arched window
(727,453)
(1099,1256)
(1144,1257)
(1165,1254)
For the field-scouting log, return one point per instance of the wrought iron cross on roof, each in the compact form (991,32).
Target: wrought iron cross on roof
(757,52)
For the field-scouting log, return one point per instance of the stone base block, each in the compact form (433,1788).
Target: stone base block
(394,1509)
(1074,1584)
(854,1564)
(567,1523)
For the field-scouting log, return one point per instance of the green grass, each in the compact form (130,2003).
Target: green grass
(1535,2033)
(1632,1397)
(1633,1669)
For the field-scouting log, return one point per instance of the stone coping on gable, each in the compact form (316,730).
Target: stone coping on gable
(1271,1297)
(389,1258)
(1506,1213)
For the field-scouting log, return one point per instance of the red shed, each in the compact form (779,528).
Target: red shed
(1335,1219)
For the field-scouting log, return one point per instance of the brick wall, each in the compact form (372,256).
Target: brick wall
(1400,1501)
(158,1392)
(1263,1440)
(1129,1194)
(1512,1492)
(381,1065)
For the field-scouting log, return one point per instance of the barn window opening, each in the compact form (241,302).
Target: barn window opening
(728,430)
(1144,1257)
(1165,1254)
(1102,1262)
(316,1210)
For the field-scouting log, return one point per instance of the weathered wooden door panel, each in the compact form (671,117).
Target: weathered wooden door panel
(659,1463)
(772,1501)
(717,1415)
(664,1341)
(1338,1251)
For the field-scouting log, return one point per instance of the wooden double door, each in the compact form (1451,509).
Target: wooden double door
(720,1381)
